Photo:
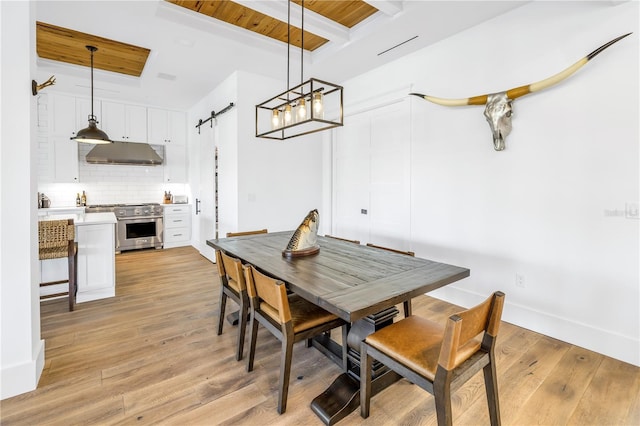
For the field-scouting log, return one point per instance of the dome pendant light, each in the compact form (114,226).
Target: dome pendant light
(92,134)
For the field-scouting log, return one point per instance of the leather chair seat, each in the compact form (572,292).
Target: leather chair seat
(304,315)
(416,342)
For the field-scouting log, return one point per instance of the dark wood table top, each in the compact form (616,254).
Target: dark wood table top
(347,279)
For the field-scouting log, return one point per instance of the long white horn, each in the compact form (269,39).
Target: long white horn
(476,100)
(517,92)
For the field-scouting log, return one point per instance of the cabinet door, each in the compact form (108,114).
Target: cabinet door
(62,116)
(113,122)
(65,159)
(96,262)
(177,127)
(166,127)
(157,128)
(175,163)
(136,123)
(124,123)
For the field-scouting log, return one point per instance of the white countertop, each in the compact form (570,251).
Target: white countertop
(84,218)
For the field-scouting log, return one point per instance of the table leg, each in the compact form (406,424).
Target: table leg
(233,317)
(343,396)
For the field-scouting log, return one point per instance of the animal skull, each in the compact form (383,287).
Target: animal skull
(498,110)
(498,114)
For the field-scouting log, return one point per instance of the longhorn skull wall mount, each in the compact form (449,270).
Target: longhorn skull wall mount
(498,110)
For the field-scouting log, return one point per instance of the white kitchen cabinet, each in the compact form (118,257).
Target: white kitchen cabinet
(62,115)
(166,127)
(96,262)
(124,123)
(177,225)
(64,156)
(68,114)
(175,163)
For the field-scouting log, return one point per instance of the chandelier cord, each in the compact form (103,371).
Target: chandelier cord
(302,47)
(288,43)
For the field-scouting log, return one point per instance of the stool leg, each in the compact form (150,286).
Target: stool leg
(73,277)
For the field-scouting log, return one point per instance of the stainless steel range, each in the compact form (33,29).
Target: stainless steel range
(139,225)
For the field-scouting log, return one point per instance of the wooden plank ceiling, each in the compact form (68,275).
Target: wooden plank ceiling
(345,12)
(66,45)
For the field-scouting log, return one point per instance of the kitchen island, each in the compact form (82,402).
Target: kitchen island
(95,235)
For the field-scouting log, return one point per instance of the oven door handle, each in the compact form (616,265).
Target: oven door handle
(139,217)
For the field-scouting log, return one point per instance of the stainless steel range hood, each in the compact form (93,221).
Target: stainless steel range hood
(129,153)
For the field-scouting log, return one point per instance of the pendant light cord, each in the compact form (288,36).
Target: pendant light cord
(92,50)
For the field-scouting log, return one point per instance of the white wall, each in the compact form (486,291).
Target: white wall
(22,350)
(551,206)
(279,181)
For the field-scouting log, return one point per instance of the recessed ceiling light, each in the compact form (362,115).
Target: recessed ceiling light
(166,76)
(185,42)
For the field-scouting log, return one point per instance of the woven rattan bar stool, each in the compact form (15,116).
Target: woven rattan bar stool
(55,241)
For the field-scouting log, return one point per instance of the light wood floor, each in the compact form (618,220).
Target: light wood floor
(151,355)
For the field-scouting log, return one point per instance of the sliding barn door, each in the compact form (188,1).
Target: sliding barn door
(371,192)
(206,204)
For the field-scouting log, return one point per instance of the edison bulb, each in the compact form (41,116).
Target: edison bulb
(302,110)
(317,105)
(275,119)
(287,115)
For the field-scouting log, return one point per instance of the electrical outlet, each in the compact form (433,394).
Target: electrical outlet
(520,280)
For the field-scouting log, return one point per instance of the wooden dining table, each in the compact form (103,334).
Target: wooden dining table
(359,284)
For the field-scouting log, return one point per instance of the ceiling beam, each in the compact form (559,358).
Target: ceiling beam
(313,22)
(388,7)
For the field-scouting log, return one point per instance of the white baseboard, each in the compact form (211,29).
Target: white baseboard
(20,378)
(605,342)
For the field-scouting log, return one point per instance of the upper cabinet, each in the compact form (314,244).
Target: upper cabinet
(124,123)
(69,114)
(166,127)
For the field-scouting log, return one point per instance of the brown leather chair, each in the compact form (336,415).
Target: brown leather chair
(290,318)
(232,285)
(55,241)
(343,239)
(406,303)
(243,233)
(438,359)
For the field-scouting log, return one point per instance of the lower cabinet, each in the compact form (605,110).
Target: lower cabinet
(96,262)
(177,225)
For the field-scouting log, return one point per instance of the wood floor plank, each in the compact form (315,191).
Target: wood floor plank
(151,355)
(565,385)
(610,397)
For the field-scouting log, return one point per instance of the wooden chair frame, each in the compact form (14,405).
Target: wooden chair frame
(276,296)
(243,233)
(58,238)
(343,239)
(407,303)
(231,268)
(460,328)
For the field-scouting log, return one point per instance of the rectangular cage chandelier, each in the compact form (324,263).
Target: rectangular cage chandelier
(312,106)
